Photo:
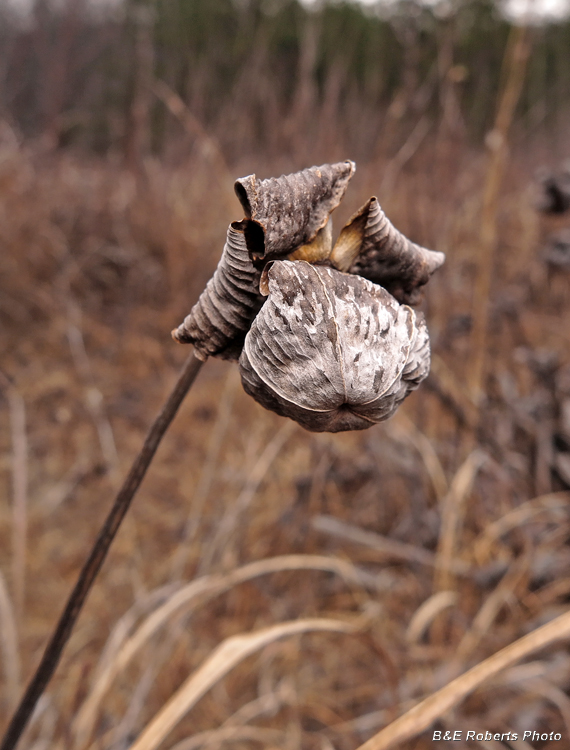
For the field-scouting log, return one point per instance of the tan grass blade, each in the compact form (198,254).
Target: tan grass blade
(363,723)
(451,391)
(209,470)
(125,625)
(229,522)
(452,512)
(326,744)
(427,611)
(17,410)
(9,643)
(420,717)
(198,591)
(554,695)
(404,427)
(93,397)
(392,548)
(226,656)
(550,503)
(215,737)
(490,609)
(267,703)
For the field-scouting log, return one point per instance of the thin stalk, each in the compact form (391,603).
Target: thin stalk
(68,618)
(17,410)
(514,68)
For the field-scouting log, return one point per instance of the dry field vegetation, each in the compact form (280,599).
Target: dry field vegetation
(400,556)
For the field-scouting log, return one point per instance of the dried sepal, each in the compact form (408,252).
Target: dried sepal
(318,249)
(220,319)
(286,212)
(370,246)
(331,350)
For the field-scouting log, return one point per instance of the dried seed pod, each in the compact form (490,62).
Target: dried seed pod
(285,212)
(370,246)
(219,321)
(330,350)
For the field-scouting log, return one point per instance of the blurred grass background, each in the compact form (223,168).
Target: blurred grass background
(122,130)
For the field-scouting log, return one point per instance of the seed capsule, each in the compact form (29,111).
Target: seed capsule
(331,350)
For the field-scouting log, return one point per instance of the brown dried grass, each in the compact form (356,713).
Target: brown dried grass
(233,487)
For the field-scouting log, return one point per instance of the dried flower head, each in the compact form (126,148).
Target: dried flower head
(323,334)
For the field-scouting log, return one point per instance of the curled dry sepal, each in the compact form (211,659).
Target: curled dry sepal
(324,335)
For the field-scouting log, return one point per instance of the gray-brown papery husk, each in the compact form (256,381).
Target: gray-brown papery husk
(220,319)
(332,351)
(385,256)
(285,212)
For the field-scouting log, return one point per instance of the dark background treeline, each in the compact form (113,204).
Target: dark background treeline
(259,75)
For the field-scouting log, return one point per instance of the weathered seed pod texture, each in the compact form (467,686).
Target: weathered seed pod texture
(371,247)
(328,344)
(282,214)
(333,351)
(226,308)
(286,212)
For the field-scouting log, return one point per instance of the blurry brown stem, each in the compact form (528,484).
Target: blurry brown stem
(194,128)
(453,507)
(403,156)
(208,474)
(514,67)
(137,143)
(94,397)
(98,553)
(20,508)
(17,409)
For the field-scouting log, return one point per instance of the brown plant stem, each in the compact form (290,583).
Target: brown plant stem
(17,410)
(68,618)
(513,74)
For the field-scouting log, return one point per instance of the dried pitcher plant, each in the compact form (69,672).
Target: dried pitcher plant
(323,334)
